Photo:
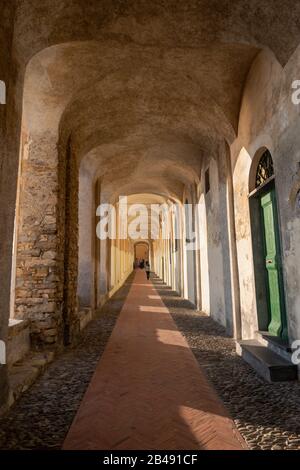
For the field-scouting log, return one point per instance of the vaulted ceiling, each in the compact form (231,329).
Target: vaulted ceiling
(145,89)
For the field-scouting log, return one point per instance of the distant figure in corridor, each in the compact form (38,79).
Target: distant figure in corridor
(142,264)
(147,269)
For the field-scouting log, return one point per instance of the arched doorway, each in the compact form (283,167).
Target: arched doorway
(267,257)
(141,251)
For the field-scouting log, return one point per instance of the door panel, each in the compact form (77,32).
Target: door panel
(277,325)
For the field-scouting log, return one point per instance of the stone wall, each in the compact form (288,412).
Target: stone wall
(37,276)
(46,265)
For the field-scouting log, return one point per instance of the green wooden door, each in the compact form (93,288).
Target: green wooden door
(275,290)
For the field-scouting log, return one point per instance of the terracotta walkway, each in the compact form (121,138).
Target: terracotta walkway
(148,391)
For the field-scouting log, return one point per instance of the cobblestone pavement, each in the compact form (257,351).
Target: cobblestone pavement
(267,415)
(43,415)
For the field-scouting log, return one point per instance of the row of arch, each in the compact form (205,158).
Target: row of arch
(189,271)
(192,271)
(105,100)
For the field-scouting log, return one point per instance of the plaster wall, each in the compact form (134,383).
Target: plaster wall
(86,261)
(205,286)
(269,119)
(211,226)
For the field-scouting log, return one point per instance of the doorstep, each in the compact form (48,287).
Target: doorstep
(266,362)
(276,344)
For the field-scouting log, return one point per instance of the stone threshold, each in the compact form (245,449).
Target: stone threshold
(266,362)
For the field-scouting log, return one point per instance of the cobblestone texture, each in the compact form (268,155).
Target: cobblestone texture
(42,417)
(267,415)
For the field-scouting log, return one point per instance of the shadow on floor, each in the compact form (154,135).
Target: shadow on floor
(265,411)
(147,390)
(44,413)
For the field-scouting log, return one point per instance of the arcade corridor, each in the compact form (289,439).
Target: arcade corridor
(160,134)
(266,416)
(147,391)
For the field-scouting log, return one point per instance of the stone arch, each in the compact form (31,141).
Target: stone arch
(61,119)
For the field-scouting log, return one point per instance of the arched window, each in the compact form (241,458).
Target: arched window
(265,169)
